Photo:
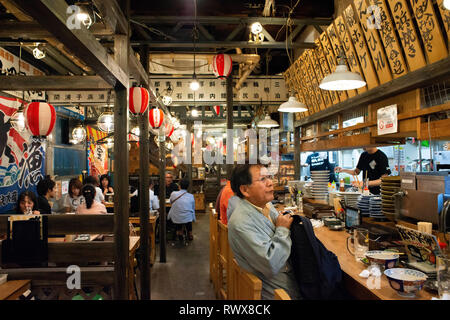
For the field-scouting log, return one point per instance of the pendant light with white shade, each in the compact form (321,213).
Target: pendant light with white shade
(292,105)
(267,122)
(342,79)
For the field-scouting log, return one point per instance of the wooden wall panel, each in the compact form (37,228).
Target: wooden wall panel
(308,84)
(313,78)
(336,46)
(445,15)
(431,33)
(407,33)
(319,76)
(349,49)
(310,102)
(374,43)
(325,69)
(360,45)
(390,41)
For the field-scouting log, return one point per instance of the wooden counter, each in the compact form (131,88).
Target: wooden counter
(12,290)
(335,241)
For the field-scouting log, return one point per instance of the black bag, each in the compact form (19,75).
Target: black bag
(28,245)
(317,270)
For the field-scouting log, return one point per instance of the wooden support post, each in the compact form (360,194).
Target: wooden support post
(121,199)
(144,192)
(297,161)
(229,124)
(162,197)
(189,164)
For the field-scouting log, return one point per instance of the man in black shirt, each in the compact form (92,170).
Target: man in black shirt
(317,162)
(374,164)
(170,186)
(46,190)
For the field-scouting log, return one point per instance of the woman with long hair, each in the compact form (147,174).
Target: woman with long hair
(90,206)
(105,184)
(27,203)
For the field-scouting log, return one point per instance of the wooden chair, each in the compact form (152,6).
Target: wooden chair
(245,286)
(49,283)
(281,294)
(223,260)
(213,250)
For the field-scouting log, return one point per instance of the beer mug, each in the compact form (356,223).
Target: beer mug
(360,243)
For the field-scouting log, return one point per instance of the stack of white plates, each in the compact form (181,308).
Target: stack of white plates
(351,198)
(320,184)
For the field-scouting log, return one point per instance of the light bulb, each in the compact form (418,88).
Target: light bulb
(106,122)
(109,143)
(136,131)
(447,4)
(18,121)
(167,100)
(256,28)
(38,53)
(194,113)
(79,133)
(194,85)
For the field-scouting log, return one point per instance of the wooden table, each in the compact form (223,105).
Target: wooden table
(152,222)
(12,290)
(335,241)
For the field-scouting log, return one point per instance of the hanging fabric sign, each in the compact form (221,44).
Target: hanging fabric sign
(387,120)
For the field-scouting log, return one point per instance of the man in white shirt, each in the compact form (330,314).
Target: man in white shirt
(154,201)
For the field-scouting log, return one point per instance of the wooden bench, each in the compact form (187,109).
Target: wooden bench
(213,250)
(95,258)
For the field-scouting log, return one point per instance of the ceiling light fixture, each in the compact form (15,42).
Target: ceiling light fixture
(292,105)
(39,52)
(342,78)
(79,133)
(268,122)
(194,85)
(194,113)
(447,4)
(256,28)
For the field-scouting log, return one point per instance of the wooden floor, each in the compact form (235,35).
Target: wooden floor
(185,274)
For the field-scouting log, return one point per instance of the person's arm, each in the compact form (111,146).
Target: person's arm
(266,254)
(353,172)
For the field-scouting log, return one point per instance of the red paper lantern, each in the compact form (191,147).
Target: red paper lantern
(139,99)
(156,118)
(40,118)
(168,129)
(217,110)
(222,65)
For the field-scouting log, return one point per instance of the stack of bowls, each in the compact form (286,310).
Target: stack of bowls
(364,205)
(375,208)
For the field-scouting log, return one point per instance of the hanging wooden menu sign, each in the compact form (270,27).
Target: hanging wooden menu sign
(430,31)
(364,58)
(390,41)
(349,49)
(325,69)
(313,80)
(407,34)
(308,84)
(445,14)
(300,76)
(329,55)
(373,42)
(319,77)
(336,45)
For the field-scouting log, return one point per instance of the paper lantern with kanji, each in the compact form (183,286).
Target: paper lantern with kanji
(217,110)
(156,118)
(222,65)
(40,118)
(139,99)
(168,129)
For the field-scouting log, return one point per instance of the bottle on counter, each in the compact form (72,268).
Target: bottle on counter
(342,185)
(330,188)
(299,201)
(333,186)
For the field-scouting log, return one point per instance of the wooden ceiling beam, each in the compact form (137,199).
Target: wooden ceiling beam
(54,83)
(51,14)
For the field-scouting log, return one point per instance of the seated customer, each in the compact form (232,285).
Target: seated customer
(90,206)
(182,211)
(225,196)
(258,235)
(105,184)
(98,192)
(46,190)
(27,203)
(74,198)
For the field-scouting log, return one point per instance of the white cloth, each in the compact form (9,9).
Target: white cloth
(154,201)
(99,195)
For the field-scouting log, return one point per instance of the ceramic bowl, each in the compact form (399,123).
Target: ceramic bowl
(386,259)
(405,281)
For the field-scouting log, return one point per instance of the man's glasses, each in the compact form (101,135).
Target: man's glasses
(264,179)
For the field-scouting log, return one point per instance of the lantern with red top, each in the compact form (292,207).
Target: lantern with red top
(40,118)
(222,65)
(139,99)
(156,118)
